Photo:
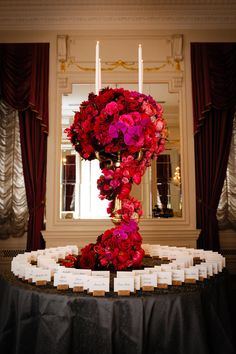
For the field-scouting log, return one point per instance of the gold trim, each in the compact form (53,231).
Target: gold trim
(111,66)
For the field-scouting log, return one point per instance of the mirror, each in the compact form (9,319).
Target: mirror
(79,194)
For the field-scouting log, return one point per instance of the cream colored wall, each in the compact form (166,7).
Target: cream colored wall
(117,45)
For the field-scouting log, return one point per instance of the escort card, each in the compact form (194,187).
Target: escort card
(101,273)
(97,283)
(202,271)
(218,261)
(148,280)
(179,264)
(40,274)
(137,282)
(78,280)
(61,253)
(65,270)
(167,267)
(73,249)
(178,275)
(164,277)
(191,273)
(124,283)
(61,279)
(120,274)
(155,269)
(214,266)
(87,272)
(29,272)
(140,272)
(209,269)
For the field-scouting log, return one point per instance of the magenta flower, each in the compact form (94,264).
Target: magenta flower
(134,136)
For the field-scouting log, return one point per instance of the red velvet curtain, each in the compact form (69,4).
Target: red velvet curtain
(24,75)
(214,101)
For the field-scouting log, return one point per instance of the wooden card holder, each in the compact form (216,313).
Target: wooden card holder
(176,282)
(78,289)
(123,293)
(148,288)
(162,286)
(62,287)
(41,282)
(98,293)
(190,281)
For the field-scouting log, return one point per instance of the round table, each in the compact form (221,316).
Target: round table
(193,319)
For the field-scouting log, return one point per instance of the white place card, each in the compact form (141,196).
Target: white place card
(140,272)
(178,275)
(209,269)
(65,270)
(73,249)
(61,279)
(148,280)
(155,269)
(164,277)
(54,256)
(21,269)
(179,264)
(167,267)
(219,263)
(40,274)
(214,266)
(137,282)
(29,272)
(120,274)
(78,280)
(191,273)
(164,253)
(99,284)
(202,270)
(124,283)
(87,272)
(101,273)
(61,254)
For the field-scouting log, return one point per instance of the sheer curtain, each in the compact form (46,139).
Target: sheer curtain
(13,202)
(226,213)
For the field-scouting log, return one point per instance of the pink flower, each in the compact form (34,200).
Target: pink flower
(111,108)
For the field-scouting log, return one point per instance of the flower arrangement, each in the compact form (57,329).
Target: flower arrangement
(125,130)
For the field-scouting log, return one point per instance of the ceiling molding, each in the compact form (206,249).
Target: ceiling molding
(138,14)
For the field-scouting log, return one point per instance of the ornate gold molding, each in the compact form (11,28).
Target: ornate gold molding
(111,66)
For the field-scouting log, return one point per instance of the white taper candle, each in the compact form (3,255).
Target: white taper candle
(140,69)
(97,69)
(100,75)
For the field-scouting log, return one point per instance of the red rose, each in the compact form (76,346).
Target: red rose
(125,191)
(87,261)
(138,257)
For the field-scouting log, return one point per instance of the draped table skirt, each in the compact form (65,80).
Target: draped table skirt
(193,319)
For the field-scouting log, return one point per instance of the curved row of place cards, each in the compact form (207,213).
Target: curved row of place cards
(185,265)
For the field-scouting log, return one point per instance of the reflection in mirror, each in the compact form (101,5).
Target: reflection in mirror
(79,194)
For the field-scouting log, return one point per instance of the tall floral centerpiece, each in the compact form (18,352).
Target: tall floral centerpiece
(124,130)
